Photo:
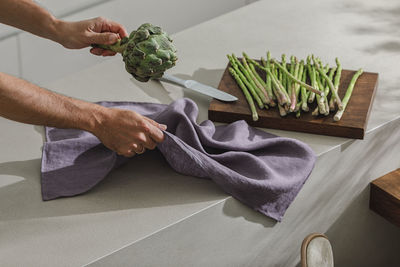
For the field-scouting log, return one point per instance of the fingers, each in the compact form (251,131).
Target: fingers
(139,149)
(118,28)
(107,25)
(126,153)
(96,51)
(162,127)
(135,149)
(153,131)
(147,141)
(101,52)
(107,53)
(106,38)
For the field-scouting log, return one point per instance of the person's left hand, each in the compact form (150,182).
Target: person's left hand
(81,34)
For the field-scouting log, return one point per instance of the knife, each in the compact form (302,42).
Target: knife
(199,87)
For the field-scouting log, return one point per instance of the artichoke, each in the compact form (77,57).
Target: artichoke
(148,52)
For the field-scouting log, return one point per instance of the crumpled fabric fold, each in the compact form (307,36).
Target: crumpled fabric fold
(262,170)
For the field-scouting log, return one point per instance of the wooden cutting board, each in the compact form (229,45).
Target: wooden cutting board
(352,125)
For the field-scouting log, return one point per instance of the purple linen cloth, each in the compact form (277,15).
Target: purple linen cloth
(261,170)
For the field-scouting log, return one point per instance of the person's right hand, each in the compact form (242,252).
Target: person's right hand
(81,34)
(127,132)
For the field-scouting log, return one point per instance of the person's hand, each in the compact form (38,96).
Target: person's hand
(127,132)
(81,34)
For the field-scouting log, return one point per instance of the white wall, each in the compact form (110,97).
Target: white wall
(39,60)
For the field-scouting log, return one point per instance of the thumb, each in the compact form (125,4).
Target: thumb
(106,38)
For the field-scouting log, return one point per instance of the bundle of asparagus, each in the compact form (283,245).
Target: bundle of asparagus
(286,85)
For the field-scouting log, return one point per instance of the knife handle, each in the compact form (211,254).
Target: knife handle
(170,78)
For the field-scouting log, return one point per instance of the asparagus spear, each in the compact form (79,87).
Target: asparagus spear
(294,68)
(311,71)
(304,95)
(315,112)
(272,67)
(263,84)
(246,93)
(278,89)
(254,89)
(298,112)
(347,96)
(330,76)
(297,86)
(308,87)
(282,111)
(291,71)
(284,81)
(268,81)
(334,93)
(336,83)
(259,88)
(321,100)
(236,65)
(275,94)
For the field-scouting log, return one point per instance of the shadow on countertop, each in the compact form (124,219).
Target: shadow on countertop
(156,89)
(145,181)
(383,20)
(152,184)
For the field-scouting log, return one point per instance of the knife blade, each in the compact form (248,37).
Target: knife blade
(199,87)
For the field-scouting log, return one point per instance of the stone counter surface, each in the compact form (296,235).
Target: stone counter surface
(145,214)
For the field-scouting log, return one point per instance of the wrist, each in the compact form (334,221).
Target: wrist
(56,29)
(96,119)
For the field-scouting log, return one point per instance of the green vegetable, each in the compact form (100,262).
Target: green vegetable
(330,76)
(303,90)
(246,94)
(264,85)
(238,67)
(288,84)
(347,96)
(308,87)
(321,100)
(280,91)
(268,81)
(277,88)
(294,69)
(334,92)
(148,52)
(282,111)
(332,101)
(285,80)
(315,112)
(262,93)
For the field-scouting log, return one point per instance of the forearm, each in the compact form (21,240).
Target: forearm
(24,102)
(29,16)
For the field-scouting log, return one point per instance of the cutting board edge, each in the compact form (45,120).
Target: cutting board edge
(345,131)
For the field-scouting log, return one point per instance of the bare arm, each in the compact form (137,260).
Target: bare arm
(29,16)
(123,131)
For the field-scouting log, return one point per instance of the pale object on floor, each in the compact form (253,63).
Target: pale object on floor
(316,251)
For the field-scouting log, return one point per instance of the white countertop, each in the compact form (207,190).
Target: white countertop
(145,196)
